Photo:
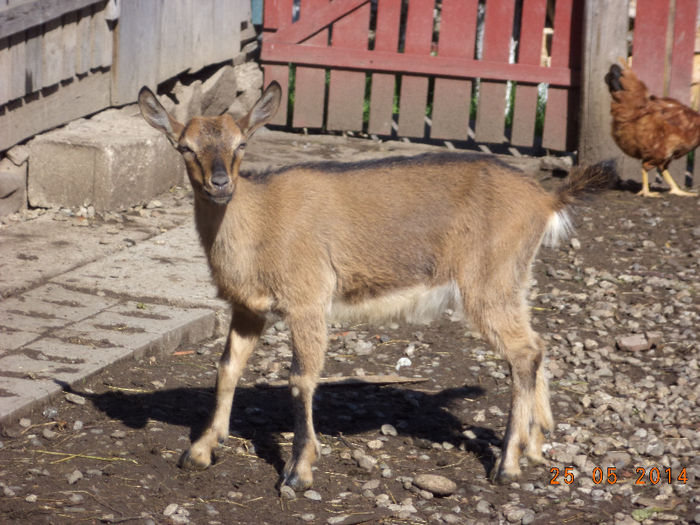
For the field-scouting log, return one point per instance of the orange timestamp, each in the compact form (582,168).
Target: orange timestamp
(609,475)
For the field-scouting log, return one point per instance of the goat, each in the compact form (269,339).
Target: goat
(395,238)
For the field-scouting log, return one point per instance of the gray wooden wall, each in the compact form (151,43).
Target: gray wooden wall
(64,59)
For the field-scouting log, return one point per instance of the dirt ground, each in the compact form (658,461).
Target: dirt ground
(632,267)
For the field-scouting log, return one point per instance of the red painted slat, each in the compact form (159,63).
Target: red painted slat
(683,47)
(281,75)
(414,89)
(556,117)
(490,113)
(310,82)
(649,44)
(382,92)
(529,52)
(315,15)
(452,98)
(277,13)
(427,65)
(346,93)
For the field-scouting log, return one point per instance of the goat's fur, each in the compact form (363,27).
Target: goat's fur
(396,238)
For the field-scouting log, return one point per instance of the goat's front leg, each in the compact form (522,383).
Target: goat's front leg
(246,328)
(309,336)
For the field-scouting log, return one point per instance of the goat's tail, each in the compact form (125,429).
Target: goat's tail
(581,181)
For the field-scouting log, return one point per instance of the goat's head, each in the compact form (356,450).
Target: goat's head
(212,147)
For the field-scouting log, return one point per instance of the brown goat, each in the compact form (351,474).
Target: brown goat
(397,238)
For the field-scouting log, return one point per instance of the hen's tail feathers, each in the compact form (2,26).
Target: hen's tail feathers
(612,79)
(587,180)
(582,181)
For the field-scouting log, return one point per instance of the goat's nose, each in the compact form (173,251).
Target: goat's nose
(219,179)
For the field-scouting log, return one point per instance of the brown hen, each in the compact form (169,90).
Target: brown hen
(655,130)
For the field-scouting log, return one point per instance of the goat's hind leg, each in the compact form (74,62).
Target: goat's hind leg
(508,329)
(310,339)
(245,331)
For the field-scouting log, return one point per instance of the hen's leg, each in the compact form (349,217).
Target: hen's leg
(644,192)
(675,190)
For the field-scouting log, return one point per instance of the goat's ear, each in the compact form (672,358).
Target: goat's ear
(155,114)
(263,110)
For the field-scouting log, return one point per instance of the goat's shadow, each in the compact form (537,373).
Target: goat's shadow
(259,413)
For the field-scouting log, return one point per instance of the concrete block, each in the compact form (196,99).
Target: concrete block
(219,91)
(13,187)
(189,101)
(249,77)
(112,164)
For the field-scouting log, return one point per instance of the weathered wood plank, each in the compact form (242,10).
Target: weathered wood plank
(21,16)
(346,92)
(381,107)
(451,97)
(74,100)
(33,75)
(5,69)
(102,41)
(176,42)
(649,43)
(70,43)
(18,52)
(310,90)
(682,51)
(556,116)
(411,63)
(604,41)
(52,54)
(226,34)
(414,89)
(529,52)
(138,49)
(312,17)
(84,36)
(490,112)
(281,75)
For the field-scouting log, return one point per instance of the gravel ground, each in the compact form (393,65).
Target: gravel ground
(618,306)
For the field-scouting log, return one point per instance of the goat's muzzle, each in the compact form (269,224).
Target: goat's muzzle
(220,188)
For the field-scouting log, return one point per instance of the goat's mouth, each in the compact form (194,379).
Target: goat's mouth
(218,197)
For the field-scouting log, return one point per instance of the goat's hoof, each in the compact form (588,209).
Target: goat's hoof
(501,476)
(188,462)
(294,482)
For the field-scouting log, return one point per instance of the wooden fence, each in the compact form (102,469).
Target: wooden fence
(431,56)
(503,72)
(64,59)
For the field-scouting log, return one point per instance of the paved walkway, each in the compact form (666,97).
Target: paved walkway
(77,295)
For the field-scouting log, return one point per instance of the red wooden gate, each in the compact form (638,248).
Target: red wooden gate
(425,54)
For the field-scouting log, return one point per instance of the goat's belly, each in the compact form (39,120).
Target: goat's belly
(417,304)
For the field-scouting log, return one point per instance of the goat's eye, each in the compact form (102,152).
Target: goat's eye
(241,148)
(184,149)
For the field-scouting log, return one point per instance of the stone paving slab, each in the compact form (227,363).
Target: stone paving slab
(170,268)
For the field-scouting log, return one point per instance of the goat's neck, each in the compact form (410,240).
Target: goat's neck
(216,222)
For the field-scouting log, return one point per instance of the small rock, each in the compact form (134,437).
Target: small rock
(287,492)
(48,433)
(78,425)
(31,498)
(170,510)
(363,460)
(374,444)
(75,398)
(633,343)
(312,495)
(389,430)
(483,507)
(436,484)
(74,476)
(25,422)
